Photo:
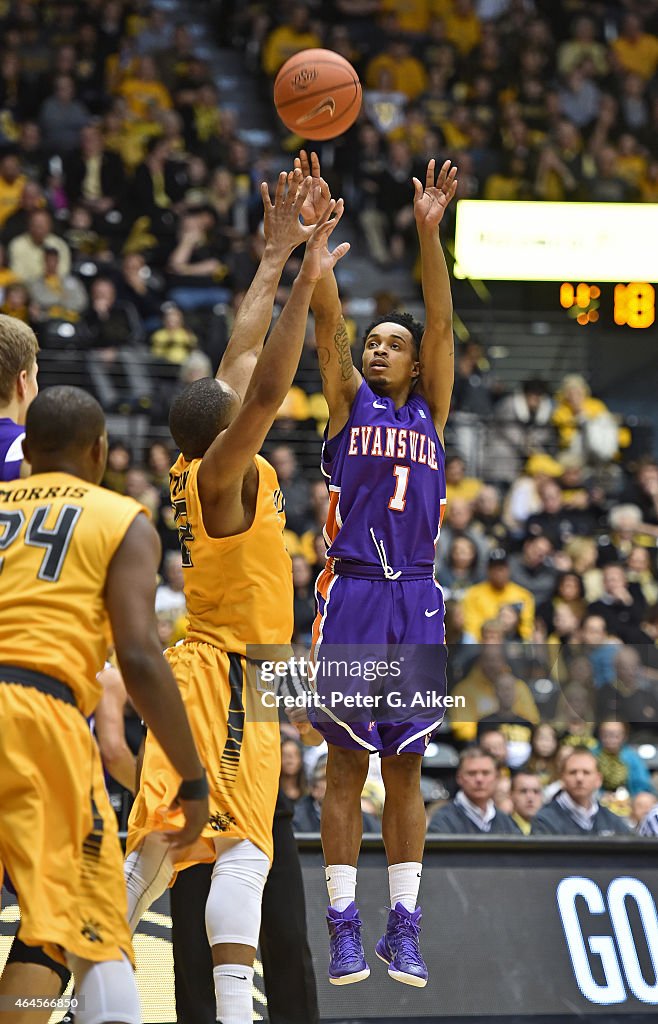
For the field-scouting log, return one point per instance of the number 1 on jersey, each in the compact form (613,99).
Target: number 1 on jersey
(398,501)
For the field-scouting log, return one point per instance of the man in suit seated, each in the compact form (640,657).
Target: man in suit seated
(308,809)
(575,810)
(473,809)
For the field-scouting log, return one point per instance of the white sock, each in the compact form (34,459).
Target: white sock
(404,883)
(233,984)
(341,885)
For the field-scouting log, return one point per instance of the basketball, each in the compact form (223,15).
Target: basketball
(317,94)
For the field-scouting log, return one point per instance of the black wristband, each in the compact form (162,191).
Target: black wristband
(193,789)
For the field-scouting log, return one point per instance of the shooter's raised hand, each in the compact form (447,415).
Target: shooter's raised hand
(319,195)
(430,202)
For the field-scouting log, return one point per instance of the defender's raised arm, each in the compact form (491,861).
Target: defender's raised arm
(340,379)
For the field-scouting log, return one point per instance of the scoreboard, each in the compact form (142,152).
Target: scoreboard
(602,254)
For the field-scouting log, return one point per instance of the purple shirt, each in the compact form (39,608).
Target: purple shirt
(11,449)
(387,484)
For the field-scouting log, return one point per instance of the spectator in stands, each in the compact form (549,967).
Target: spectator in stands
(643,490)
(304,602)
(515,730)
(620,765)
(196,270)
(30,152)
(458,523)
(473,810)
(487,521)
(159,461)
(484,600)
(492,741)
(625,530)
(173,341)
(580,98)
(575,810)
(141,286)
(532,568)
(119,460)
(621,606)
(478,688)
(288,39)
(293,778)
(308,809)
(94,175)
(639,570)
(600,648)
(12,183)
(635,49)
(169,597)
(27,251)
(144,94)
(582,45)
(62,117)
(138,486)
(460,570)
(7,276)
(408,76)
(458,485)
(56,296)
(557,522)
(649,825)
(157,188)
(523,426)
(569,592)
(632,696)
(294,485)
(583,553)
(527,799)
(115,362)
(15,302)
(32,198)
(544,746)
(608,185)
(474,383)
(641,805)
(575,408)
(575,715)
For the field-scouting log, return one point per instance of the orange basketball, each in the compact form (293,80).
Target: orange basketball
(317,94)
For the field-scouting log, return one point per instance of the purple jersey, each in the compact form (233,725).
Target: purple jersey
(11,449)
(387,483)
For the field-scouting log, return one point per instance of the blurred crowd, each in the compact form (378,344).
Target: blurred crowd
(130,228)
(532,99)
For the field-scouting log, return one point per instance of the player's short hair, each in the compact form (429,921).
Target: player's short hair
(61,419)
(405,320)
(18,351)
(198,415)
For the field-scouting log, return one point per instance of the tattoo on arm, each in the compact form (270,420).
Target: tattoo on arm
(324,358)
(342,345)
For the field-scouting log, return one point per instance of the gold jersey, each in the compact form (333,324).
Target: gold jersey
(58,535)
(238,589)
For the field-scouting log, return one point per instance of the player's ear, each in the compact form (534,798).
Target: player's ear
(21,384)
(99,450)
(415,369)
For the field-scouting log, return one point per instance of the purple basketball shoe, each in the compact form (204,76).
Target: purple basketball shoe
(399,947)
(347,962)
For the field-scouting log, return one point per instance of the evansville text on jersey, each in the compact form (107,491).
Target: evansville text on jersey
(393,443)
